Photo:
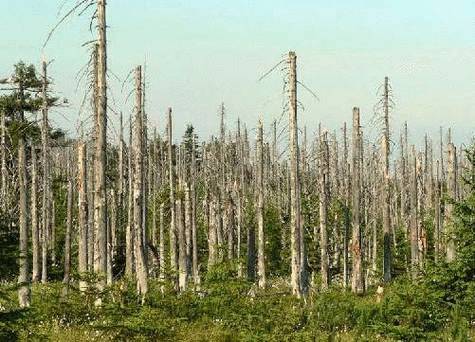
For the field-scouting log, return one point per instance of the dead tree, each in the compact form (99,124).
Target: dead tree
(35,237)
(162,242)
(323,209)
(100,195)
(346,188)
(414,236)
(3,162)
(173,251)
(357,277)
(182,264)
(139,222)
(437,215)
(295,227)
(46,200)
(452,196)
(67,238)
(386,187)
(261,267)
(194,233)
(129,232)
(23,278)
(82,213)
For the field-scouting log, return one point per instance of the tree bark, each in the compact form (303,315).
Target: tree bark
(357,279)
(386,189)
(100,196)
(261,266)
(45,208)
(295,226)
(141,268)
(35,237)
(323,209)
(67,238)
(23,278)
(173,252)
(83,214)
(452,195)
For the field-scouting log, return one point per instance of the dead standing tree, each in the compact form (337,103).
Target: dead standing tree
(100,195)
(23,278)
(357,279)
(261,269)
(296,229)
(139,222)
(382,110)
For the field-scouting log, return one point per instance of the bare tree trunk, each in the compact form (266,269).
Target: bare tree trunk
(23,278)
(295,227)
(52,241)
(35,237)
(138,179)
(437,215)
(162,242)
(83,214)
(452,195)
(357,279)
(67,238)
(111,235)
(212,235)
(3,161)
(173,252)
(45,208)
(129,233)
(386,189)
(346,189)
(323,206)
(100,196)
(188,230)
(261,266)
(414,216)
(182,266)
(194,233)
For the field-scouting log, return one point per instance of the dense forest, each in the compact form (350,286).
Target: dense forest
(263,232)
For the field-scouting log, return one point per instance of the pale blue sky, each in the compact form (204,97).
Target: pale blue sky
(200,53)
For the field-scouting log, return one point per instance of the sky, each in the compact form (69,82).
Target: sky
(201,53)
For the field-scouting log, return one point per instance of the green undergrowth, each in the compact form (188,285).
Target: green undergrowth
(226,309)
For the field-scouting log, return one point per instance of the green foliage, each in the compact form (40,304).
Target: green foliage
(230,309)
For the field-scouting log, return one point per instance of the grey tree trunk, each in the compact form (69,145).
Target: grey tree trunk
(52,240)
(194,233)
(386,189)
(82,214)
(437,215)
(182,266)
(141,268)
(188,230)
(23,278)
(357,276)
(35,237)
(3,161)
(261,267)
(323,209)
(173,252)
(67,238)
(162,242)
(45,208)
(452,195)
(212,235)
(100,195)
(129,233)
(346,194)
(295,227)
(414,216)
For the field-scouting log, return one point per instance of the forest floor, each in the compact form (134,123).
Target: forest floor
(225,309)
